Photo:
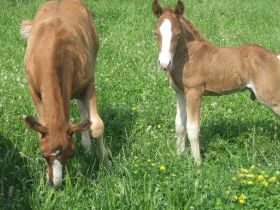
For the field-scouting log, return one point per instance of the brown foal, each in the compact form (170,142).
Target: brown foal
(59,62)
(196,68)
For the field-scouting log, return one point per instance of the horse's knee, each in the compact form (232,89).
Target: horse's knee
(193,132)
(97,128)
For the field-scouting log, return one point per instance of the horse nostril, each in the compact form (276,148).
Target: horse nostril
(169,64)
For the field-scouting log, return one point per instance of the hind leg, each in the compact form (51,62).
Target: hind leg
(86,142)
(97,126)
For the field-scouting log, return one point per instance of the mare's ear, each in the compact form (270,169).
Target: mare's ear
(82,126)
(157,10)
(179,10)
(32,123)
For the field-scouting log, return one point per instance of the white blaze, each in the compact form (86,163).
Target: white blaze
(57,173)
(166,35)
(278,56)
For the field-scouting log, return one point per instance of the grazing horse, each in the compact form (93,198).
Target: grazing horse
(196,68)
(59,62)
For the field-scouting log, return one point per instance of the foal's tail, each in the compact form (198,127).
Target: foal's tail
(25,28)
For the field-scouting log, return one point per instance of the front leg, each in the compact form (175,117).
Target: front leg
(180,123)
(193,98)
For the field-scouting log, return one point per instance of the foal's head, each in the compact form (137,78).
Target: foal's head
(56,146)
(168,32)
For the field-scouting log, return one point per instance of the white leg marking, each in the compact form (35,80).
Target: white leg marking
(251,86)
(193,132)
(180,122)
(86,142)
(57,173)
(278,56)
(166,35)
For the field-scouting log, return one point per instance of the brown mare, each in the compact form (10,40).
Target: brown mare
(196,68)
(59,62)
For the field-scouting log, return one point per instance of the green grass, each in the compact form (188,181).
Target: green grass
(133,98)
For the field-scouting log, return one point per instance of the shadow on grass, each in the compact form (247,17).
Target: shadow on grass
(118,125)
(14,177)
(231,130)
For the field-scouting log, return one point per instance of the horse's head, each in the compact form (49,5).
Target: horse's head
(168,32)
(56,146)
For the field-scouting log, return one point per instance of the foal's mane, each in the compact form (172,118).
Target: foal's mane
(188,26)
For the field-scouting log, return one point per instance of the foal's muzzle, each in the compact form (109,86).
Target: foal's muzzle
(165,65)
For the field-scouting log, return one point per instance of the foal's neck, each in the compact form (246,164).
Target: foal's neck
(190,33)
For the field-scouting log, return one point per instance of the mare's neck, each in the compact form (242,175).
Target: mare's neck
(56,113)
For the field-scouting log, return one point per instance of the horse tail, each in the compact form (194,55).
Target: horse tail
(25,28)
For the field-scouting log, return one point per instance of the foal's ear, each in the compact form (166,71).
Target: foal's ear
(32,123)
(179,8)
(157,10)
(82,126)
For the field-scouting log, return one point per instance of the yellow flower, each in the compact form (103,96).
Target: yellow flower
(250,182)
(243,181)
(272,179)
(162,168)
(250,175)
(158,126)
(247,175)
(260,178)
(242,196)
(244,170)
(264,183)
(252,167)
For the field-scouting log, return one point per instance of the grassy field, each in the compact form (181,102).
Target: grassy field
(239,137)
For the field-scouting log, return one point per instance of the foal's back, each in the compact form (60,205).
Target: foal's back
(227,69)
(62,34)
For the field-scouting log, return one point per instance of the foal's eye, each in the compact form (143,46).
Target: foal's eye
(178,36)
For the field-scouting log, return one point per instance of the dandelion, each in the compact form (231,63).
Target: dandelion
(250,182)
(272,179)
(162,168)
(252,167)
(260,178)
(158,126)
(243,182)
(244,170)
(241,198)
(250,175)
(264,183)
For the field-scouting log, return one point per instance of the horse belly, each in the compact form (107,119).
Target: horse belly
(224,86)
